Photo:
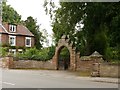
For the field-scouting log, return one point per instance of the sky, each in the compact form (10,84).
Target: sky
(35,9)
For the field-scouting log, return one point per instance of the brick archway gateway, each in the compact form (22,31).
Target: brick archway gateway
(64,42)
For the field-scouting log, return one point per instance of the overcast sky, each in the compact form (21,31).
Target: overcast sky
(32,8)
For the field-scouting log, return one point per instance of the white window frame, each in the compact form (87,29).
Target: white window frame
(26,41)
(20,50)
(12,28)
(12,50)
(14,44)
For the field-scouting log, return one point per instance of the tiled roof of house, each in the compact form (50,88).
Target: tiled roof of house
(2,29)
(21,30)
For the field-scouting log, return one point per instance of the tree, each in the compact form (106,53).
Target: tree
(9,14)
(100,25)
(31,24)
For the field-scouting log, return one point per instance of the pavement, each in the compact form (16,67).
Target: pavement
(96,79)
(107,80)
(102,79)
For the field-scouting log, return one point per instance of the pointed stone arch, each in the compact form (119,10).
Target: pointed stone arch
(64,42)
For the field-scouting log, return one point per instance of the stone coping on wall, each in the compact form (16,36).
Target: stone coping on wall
(85,58)
(34,60)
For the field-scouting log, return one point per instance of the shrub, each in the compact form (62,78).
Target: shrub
(35,54)
(112,54)
(51,52)
(3,51)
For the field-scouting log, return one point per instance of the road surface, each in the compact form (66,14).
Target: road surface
(48,79)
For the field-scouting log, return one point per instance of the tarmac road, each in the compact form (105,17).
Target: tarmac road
(49,79)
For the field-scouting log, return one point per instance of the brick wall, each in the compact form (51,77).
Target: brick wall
(28,64)
(20,41)
(4,39)
(86,64)
(32,41)
(6,62)
(109,70)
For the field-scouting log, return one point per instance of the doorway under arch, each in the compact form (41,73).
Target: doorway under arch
(63,59)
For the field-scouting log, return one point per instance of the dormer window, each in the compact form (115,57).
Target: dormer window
(12,28)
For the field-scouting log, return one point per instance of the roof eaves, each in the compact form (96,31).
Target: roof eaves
(20,34)
(28,30)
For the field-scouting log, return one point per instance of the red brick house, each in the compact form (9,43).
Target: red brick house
(16,36)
